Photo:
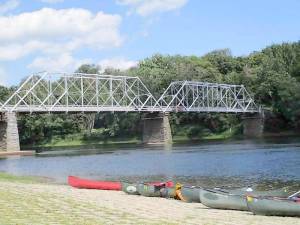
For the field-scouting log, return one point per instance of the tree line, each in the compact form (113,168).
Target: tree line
(272,75)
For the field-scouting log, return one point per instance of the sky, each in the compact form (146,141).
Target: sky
(60,35)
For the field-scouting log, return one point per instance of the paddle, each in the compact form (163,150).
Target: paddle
(294,195)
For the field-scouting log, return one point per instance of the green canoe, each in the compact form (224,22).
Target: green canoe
(191,194)
(220,200)
(146,190)
(273,206)
(130,188)
(234,199)
(152,190)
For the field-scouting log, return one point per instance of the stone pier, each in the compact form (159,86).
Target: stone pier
(253,125)
(156,128)
(3,126)
(9,135)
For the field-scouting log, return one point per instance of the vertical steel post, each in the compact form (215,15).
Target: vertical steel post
(49,91)
(111,91)
(67,92)
(81,85)
(125,89)
(97,92)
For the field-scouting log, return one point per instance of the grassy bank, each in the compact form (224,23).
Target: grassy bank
(79,140)
(4,177)
(226,135)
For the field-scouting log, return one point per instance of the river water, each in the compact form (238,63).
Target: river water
(273,162)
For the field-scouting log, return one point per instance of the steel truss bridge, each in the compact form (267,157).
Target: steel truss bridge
(77,92)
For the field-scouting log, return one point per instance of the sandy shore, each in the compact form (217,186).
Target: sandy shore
(58,204)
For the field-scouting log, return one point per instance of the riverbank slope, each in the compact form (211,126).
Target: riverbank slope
(24,201)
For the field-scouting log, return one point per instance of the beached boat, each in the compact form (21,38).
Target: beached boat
(151,189)
(234,199)
(192,194)
(92,184)
(273,206)
(220,200)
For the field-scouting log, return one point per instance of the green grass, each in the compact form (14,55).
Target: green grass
(77,140)
(228,134)
(20,179)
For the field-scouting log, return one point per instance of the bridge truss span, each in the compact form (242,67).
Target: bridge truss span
(192,96)
(77,92)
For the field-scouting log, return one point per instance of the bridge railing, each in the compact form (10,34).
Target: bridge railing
(191,96)
(77,92)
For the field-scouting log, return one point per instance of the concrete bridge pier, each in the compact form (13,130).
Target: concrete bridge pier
(253,125)
(9,135)
(156,128)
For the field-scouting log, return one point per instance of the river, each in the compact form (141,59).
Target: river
(272,162)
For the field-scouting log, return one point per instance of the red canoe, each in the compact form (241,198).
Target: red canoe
(105,185)
(92,184)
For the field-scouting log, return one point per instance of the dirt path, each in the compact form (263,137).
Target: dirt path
(58,204)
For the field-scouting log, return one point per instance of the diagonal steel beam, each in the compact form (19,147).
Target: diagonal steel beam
(27,92)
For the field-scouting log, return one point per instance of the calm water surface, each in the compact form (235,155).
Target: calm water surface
(234,163)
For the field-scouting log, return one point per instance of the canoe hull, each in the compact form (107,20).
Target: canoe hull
(190,194)
(91,184)
(234,199)
(273,207)
(217,200)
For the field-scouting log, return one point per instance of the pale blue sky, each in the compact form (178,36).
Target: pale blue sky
(59,35)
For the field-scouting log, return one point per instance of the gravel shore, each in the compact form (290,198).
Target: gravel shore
(60,204)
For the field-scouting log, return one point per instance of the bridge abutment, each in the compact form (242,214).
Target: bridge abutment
(253,125)
(156,128)
(9,134)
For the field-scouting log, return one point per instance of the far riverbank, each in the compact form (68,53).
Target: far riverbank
(79,139)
